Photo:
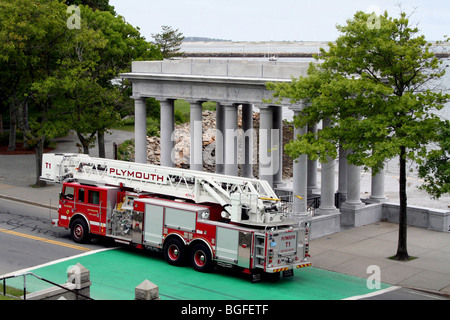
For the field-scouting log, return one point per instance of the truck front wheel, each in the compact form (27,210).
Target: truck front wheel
(79,231)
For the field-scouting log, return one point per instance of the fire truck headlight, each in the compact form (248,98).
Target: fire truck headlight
(205,215)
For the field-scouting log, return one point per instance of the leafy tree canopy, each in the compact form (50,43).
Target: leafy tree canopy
(371,85)
(102,5)
(57,78)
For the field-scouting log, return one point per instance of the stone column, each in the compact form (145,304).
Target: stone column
(353,187)
(196,158)
(377,192)
(167,129)
(140,130)
(342,181)
(277,146)
(300,174)
(313,188)
(327,184)
(231,140)
(265,144)
(220,129)
(247,141)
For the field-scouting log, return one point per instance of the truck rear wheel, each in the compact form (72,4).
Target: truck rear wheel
(79,231)
(174,252)
(201,259)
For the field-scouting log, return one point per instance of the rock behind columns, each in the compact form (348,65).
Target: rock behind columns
(182,144)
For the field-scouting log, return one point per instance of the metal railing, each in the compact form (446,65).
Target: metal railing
(313,202)
(24,275)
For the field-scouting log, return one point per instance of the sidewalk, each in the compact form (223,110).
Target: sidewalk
(18,172)
(352,251)
(349,252)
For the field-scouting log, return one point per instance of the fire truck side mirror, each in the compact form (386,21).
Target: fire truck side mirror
(60,195)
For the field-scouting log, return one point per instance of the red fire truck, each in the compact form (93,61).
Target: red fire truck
(194,216)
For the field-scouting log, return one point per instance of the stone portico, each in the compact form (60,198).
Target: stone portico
(232,83)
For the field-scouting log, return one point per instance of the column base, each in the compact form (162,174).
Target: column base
(352,206)
(376,200)
(326,211)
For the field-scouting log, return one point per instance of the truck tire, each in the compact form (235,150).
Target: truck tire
(79,231)
(201,259)
(174,252)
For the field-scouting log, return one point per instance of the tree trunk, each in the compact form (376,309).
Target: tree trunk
(84,143)
(39,152)
(12,127)
(402,252)
(101,143)
(26,125)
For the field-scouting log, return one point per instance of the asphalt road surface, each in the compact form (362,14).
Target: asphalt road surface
(27,238)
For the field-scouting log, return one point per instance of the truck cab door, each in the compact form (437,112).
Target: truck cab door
(91,203)
(66,205)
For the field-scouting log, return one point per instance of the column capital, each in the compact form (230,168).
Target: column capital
(265,109)
(229,104)
(195,101)
(138,97)
(165,100)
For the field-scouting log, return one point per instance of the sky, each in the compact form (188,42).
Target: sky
(274,20)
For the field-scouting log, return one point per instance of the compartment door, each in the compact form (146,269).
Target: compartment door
(227,245)
(153,224)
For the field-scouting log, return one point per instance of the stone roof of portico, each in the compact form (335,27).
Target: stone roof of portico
(222,80)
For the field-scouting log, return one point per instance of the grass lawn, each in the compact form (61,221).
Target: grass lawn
(11,292)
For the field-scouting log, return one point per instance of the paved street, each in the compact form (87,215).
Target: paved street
(27,238)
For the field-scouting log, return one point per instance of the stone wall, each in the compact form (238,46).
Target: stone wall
(429,218)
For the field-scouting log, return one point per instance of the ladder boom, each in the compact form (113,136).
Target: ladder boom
(243,199)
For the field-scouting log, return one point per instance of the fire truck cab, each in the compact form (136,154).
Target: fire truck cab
(84,209)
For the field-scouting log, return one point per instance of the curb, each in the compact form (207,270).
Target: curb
(434,292)
(28,202)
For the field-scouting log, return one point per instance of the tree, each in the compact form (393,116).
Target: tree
(84,86)
(435,170)
(371,86)
(124,44)
(32,36)
(169,41)
(102,5)
(55,73)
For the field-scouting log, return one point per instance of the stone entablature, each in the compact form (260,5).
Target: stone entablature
(226,81)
